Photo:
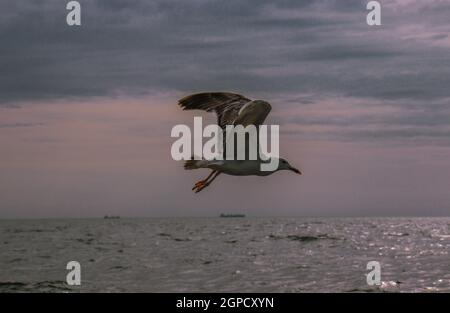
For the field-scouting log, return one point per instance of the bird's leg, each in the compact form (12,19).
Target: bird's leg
(203,186)
(203,181)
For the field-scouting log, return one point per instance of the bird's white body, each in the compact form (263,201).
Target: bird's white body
(240,167)
(236,167)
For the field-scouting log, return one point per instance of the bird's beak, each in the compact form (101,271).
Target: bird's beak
(295,170)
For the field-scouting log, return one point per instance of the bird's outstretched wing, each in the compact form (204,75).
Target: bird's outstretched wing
(231,109)
(225,104)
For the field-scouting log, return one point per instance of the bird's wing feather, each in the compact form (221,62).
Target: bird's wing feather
(253,113)
(231,109)
(226,105)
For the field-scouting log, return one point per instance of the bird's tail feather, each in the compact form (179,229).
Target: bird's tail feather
(192,164)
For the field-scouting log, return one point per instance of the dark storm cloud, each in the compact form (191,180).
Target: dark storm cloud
(262,47)
(137,46)
(337,53)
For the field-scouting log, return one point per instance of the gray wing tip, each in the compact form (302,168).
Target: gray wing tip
(191,101)
(202,100)
(268,106)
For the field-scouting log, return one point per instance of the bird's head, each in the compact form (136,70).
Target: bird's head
(284,165)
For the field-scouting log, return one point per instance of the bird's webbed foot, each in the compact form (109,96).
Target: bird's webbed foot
(200,185)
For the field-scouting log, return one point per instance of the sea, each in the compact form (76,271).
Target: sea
(247,254)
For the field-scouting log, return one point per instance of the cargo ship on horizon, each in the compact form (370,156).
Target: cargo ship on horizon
(232,215)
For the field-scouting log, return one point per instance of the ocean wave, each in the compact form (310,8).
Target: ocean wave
(43,286)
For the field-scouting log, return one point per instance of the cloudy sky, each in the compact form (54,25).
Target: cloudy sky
(86,112)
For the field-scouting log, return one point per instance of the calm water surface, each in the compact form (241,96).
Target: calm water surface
(226,254)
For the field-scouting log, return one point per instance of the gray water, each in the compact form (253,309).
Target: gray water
(226,254)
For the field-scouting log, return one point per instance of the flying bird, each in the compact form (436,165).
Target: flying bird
(231,109)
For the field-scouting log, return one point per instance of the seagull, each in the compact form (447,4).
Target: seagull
(231,109)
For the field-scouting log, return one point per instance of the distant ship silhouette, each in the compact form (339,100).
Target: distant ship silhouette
(111,217)
(232,215)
